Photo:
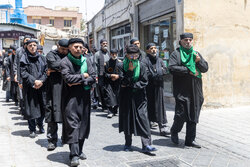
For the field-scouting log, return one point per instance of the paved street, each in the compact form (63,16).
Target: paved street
(223,133)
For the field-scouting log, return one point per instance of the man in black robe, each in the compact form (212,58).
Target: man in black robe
(101,57)
(78,76)
(19,52)
(6,82)
(53,114)
(135,41)
(133,115)
(155,89)
(11,76)
(112,83)
(186,66)
(33,69)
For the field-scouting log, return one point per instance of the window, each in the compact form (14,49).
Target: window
(52,21)
(67,23)
(120,39)
(37,21)
(162,32)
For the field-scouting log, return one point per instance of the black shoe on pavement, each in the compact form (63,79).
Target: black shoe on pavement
(148,149)
(127,148)
(32,134)
(165,131)
(153,125)
(193,144)
(41,130)
(110,114)
(174,138)
(51,146)
(74,161)
(83,156)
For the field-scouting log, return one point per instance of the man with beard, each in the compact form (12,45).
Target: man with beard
(112,83)
(101,58)
(135,41)
(155,88)
(33,69)
(10,75)
(78,76)
(186,65)
(133,115)
(19,52)
(53,114)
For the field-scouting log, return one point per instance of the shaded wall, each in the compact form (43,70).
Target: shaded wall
(222,34)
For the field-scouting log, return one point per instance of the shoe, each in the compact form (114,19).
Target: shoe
(51,146)
(153,125)
(32,134)
(16,103)
(7,100)
(74,161)
(83,156)
(41,130)
(148,149)
(165,131)
(127,148)
(193,144)
(174,138)
(110,114)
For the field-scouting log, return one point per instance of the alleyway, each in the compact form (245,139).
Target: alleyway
(223,133)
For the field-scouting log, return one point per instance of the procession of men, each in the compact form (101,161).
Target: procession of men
(63,87)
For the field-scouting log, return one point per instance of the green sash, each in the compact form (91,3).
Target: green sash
(80,62)
(188,60)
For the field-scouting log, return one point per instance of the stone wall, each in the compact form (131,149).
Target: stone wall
(221,31)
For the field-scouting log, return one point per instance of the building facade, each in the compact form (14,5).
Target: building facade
(11,34)
(121,20)
(221,34)
(61,18)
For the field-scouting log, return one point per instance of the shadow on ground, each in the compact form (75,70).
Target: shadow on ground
(22,123)
(168,143)
(119,147)
(115,125)
(14,112)
(60,157)
(17,118)
(8,104)
(44,143)
(23,133)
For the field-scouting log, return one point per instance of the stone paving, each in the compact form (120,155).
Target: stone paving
(223,133)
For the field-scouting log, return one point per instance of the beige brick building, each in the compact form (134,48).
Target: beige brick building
(61,17)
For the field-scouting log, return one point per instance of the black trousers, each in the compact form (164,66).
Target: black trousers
(190,129)
(33,122)
(144,140)
(76,149)
(52,132)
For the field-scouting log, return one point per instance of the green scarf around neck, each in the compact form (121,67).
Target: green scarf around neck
(188,60)
(136,70)
(80,62)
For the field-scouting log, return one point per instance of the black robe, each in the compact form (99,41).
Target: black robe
(133,115)
(111,88)
(54,88)
(155,89)
(187,89)
(33,68)
(75,101)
